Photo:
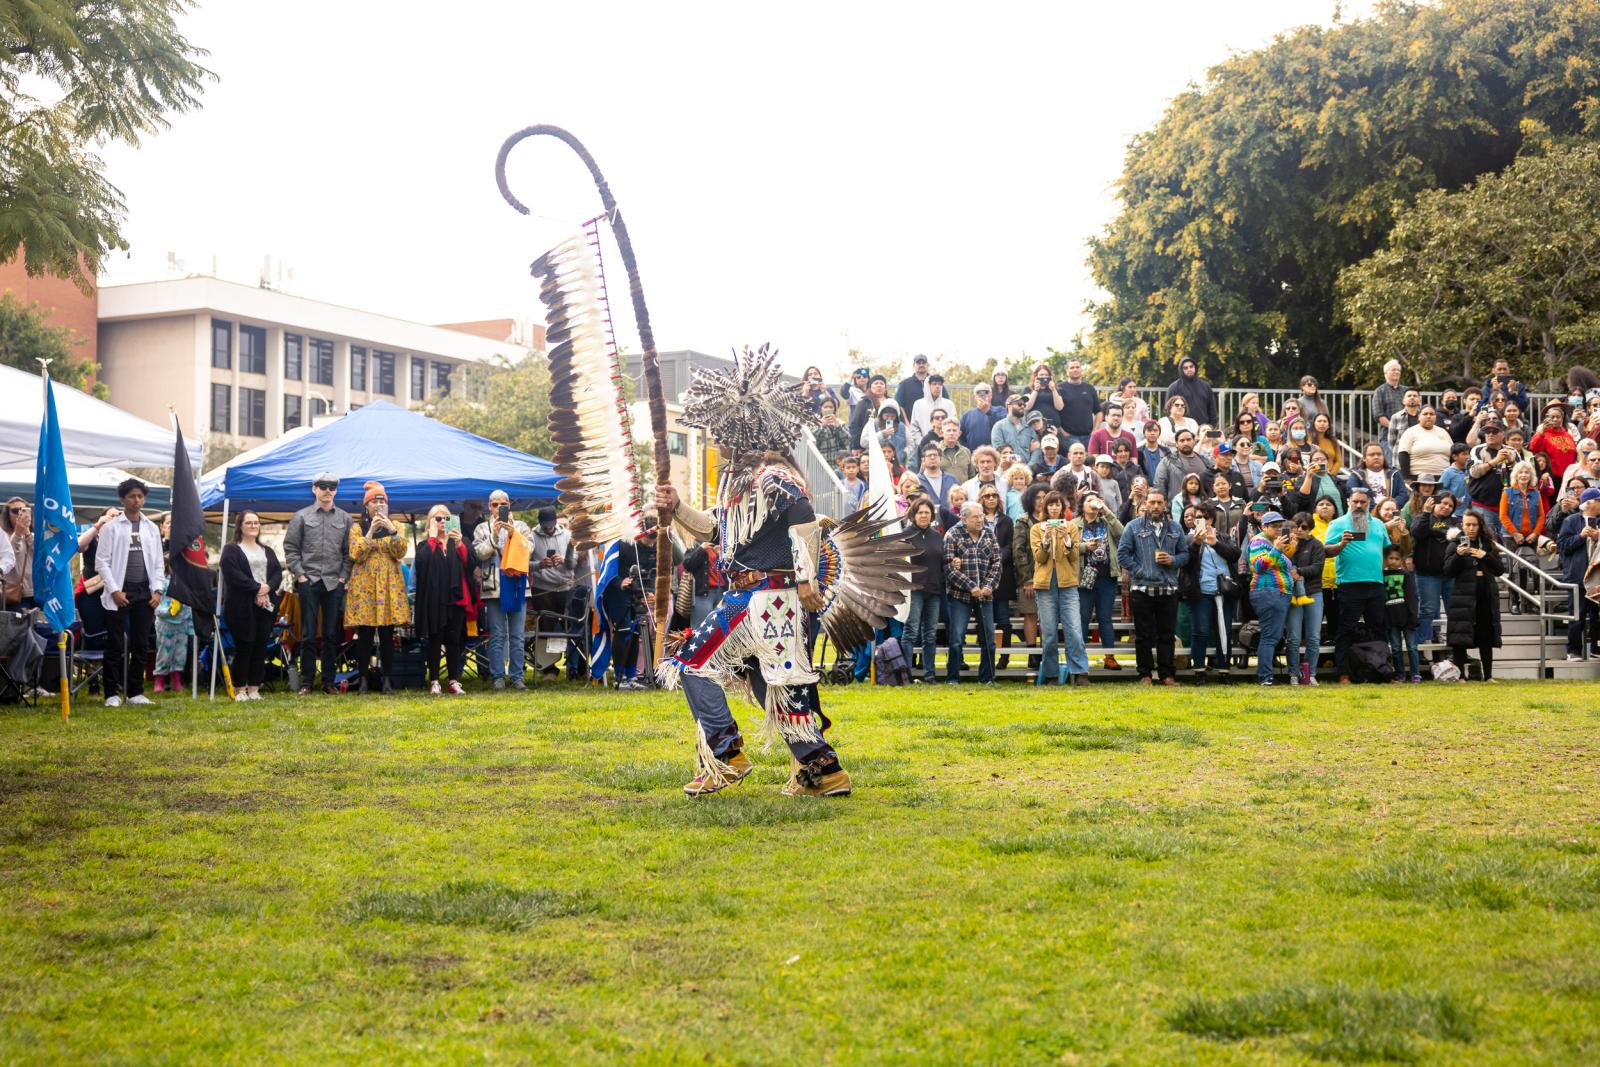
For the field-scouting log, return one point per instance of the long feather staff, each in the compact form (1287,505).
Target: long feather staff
(589,418)
(647,344)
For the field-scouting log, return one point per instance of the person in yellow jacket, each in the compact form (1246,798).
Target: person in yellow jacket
(375,600)
(1057,549)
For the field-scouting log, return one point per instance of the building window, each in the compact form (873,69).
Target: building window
(383,373)
(221,408)
(441,378)
(252,349)
(222,344)
(319,406)
(252,412)
(291,411)
(294,349)
(321,361)
(677,443)
(419,378)
(358,368)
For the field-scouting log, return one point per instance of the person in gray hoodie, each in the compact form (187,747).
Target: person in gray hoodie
(1153,550)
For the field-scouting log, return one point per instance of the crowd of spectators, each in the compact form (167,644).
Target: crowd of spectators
(1042,509)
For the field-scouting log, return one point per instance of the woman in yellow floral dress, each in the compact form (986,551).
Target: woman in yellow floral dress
(375,599)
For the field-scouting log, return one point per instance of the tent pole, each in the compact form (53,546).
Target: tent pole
(216,616)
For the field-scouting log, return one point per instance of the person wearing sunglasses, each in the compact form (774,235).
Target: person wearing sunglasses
(316,551)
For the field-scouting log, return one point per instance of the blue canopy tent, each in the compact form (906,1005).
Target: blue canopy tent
(420,461)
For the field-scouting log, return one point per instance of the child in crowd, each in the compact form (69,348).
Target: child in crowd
(1400,614)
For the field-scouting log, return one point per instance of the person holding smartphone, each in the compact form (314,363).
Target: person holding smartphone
(376,597)
(552,565)
(504,594)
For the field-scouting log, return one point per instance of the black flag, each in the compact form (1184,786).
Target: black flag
(188,577)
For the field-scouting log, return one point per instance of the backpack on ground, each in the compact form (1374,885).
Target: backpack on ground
(889,666)
(1374,659)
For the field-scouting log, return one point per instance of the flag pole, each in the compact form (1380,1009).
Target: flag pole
(65,681)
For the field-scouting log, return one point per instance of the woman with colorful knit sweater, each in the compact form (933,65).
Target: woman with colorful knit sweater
(1271,582)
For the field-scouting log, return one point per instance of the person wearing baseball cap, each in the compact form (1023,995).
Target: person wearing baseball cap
(911,389)
(316,550)
(1015,430)
(1272,578)
(1050,458)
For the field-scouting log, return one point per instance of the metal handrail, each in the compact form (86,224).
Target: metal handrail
(1544,615)
(827,491)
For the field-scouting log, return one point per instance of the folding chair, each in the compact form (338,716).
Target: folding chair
(86,643)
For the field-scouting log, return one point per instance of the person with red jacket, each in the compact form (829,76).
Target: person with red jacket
(1555,440)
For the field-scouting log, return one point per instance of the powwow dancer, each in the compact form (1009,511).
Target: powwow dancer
(784,568)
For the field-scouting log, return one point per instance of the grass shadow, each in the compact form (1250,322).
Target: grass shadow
(489,904)
(1331,1023)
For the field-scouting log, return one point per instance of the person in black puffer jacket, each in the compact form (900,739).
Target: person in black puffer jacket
(927,590)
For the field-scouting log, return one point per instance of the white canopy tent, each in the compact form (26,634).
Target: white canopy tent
(93,432)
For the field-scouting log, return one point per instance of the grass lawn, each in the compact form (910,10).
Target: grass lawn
(1223,875)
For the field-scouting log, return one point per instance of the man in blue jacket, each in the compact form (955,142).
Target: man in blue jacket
(1153,550)
(1579,542)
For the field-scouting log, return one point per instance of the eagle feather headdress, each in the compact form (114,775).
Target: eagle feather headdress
(747,409)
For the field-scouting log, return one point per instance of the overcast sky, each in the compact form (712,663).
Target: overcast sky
(890,177)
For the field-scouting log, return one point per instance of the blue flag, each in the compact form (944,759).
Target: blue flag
(600,640)
(55,532)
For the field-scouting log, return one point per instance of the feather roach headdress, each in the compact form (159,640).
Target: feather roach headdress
(748,409)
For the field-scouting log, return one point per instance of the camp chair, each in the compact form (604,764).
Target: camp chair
(548,637)
(21,653)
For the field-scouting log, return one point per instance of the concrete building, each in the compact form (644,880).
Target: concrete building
(249,363)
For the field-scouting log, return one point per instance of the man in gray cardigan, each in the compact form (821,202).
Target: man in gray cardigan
(316,550)
(508,613)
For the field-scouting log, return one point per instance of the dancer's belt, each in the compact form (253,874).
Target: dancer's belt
(760,579)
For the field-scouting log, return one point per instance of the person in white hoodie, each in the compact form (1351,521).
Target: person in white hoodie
(130,563)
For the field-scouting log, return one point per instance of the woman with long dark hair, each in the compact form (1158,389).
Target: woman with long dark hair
(251,575)
(927,589)
(1474,611)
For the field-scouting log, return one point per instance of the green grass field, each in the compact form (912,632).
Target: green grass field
(1205,876)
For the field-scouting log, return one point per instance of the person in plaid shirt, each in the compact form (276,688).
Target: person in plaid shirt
(972,570)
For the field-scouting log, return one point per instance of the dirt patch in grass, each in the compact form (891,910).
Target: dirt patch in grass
(104,939)
(491,904)
(200,802)
(1332,1023)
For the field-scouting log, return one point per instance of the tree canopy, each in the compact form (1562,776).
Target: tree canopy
(1507,268)
(109,70)
(1241,206)
(26,337)
(505,402)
